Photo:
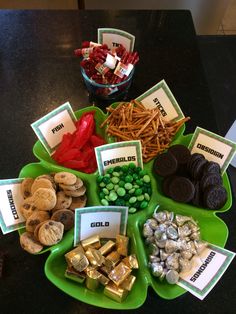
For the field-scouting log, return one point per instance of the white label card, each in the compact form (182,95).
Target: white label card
(50,128)
(118,154)
(114,37)
(207,269)
(214,147)
(160,96)
(11,198)
(105,221)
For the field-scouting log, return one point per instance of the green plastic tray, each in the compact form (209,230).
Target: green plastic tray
(213,230)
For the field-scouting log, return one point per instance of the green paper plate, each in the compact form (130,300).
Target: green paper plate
(212,228)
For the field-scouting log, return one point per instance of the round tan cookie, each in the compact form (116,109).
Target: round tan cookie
(50,232)
(63,201)
(36,230)
(81,191)
(66,217)
(26,187)
(36,218)
(65,178)
(44,199)
(78,184)
(78,202)
(29,243)
(28,207)
(49,177)
(41,183)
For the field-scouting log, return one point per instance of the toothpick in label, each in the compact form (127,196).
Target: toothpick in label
(11,197)
(118,154)
(213,146)
(208,267)
(161,97)
(115,37)
(107,221)
(50,128)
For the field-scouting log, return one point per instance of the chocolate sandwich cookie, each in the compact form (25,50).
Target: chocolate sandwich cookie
(210,178)
(192,159)
(166,184)
(181,153)
(197,198)
(181,189)
(165,164)
(198,168)
(215,196)
(66,217)
(212,166)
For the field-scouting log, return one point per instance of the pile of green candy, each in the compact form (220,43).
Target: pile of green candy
(126,185)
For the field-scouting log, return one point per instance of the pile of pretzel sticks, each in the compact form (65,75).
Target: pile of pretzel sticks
(133,121)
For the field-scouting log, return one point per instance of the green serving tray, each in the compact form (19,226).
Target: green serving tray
(213,230)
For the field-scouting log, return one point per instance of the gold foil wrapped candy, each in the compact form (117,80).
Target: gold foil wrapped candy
(77,259)
(108,265)
(93,242)
(116,293)
(74,275)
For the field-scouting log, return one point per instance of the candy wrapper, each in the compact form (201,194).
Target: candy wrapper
(108,67)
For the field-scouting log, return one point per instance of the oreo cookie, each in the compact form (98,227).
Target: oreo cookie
(166,184)
(194,157)
(210,179)
(165,164)
(181,189)
(198,168)
(212,166)
(197,198)
(215,196)
(181,153)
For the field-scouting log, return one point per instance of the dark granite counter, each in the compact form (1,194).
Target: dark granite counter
(39,72)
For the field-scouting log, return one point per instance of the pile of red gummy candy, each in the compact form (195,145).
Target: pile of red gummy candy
(104,65)
(76,150)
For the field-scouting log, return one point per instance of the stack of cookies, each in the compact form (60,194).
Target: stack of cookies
(48,207)
(190,178)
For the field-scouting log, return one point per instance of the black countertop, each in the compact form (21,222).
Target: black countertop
(39,72)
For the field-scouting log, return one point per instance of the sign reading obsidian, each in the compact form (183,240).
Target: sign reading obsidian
(213,146)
